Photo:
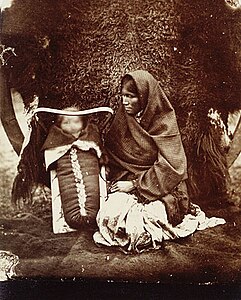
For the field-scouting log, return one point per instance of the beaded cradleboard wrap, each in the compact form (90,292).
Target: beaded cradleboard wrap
(79,181)
(76,184)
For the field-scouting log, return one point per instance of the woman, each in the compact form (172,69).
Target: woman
(148,197)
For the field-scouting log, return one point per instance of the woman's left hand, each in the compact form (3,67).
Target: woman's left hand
(122,186)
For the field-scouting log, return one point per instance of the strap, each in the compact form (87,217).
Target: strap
(74,113)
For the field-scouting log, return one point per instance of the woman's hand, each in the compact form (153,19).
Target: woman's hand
(122,186)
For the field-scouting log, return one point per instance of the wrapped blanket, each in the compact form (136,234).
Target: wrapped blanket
(78,175)
(77,168)
(58,219)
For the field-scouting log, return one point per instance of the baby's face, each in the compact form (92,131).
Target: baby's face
(72,125)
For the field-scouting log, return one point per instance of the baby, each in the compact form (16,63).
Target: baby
(73,148)
(71,124)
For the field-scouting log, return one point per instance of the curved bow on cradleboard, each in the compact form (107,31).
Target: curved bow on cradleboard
(100,109)
(75,113)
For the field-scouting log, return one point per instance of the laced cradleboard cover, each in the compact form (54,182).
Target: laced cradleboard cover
(75,181)
(77,178)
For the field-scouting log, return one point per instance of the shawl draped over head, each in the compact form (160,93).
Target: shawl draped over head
(151,150)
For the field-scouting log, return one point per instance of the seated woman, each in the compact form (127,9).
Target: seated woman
(148,199)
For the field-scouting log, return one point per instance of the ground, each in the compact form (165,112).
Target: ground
(208,257)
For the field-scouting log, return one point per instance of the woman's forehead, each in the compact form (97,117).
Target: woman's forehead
(129,84)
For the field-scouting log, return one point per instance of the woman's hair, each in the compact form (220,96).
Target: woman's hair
(129,82)
(59,118)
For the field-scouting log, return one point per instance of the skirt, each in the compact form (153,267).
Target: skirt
(134,227)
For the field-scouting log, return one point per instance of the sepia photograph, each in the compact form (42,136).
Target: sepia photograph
(120,141)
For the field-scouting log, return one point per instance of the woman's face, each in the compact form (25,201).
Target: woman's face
(130,100)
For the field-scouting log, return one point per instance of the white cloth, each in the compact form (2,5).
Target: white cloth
(126,223)
(53,154)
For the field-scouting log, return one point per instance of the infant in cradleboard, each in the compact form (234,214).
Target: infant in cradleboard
(74,155)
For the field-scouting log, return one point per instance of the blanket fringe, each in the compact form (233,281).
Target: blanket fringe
(31,166)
